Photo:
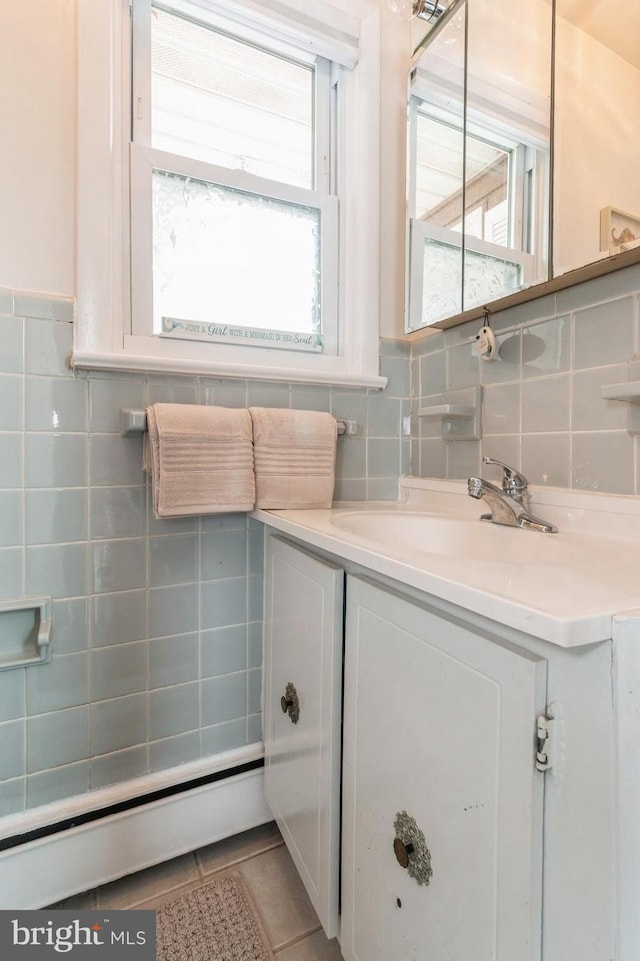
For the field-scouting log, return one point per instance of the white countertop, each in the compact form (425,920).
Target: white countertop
(587,574)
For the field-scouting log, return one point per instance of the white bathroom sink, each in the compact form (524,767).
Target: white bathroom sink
(563,587)
(451,536)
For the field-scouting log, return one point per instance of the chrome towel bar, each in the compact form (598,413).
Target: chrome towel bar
(134,421)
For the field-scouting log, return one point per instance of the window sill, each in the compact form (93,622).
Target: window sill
(126,362)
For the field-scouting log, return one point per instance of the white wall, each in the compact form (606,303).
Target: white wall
(37,164)
(597,133)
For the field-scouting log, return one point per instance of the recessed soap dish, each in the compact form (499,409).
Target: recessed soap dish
(25,632)
(460,413)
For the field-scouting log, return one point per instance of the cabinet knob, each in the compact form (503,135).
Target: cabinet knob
(290,703)
(410,848)
(402,852)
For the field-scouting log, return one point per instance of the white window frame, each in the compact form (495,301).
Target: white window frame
(101,333)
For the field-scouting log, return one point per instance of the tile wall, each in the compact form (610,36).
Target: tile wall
(157,625)
(542,409)
(157,650)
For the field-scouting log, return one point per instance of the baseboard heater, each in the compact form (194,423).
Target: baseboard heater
(41,864)
(128,805)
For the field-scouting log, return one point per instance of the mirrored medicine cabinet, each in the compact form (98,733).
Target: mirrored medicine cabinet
(523,153)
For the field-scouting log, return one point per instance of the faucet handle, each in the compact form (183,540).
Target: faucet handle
(513,482)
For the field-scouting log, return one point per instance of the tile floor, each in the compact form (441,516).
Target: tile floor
(289,920)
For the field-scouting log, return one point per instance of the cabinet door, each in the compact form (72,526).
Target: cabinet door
(439,726)
(303,650)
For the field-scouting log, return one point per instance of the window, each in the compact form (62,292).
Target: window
(238,232)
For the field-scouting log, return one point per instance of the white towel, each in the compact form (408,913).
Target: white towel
(294,458)
(200,459)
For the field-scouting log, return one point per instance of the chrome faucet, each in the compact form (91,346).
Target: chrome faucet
(509,505)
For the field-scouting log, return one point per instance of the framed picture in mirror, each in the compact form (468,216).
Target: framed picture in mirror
(618,230)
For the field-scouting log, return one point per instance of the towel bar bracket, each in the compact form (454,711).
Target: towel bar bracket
(134,422)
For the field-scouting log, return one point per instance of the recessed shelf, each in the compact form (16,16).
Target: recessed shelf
(629,392)
(460,412)
(25,632)
(446,411)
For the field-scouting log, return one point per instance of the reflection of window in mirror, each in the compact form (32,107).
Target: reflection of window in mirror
(478,167)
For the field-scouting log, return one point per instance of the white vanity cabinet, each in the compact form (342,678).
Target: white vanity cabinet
(438,758)
(302,708)
(427,750)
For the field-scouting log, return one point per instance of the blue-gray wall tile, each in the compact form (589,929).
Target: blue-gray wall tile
(172,751)
(11,514)
(118,670)
(224,650)
(11,460)
(106,400)
(40,305)
(56,404)
(118,723)
(173,610)
(546,459)
(254,644)
(254,728)
(115,460)
(56,460)
(119,766)
(12,796)
(119,618)
(71,626)
(173,660)
(58,738)
(119,565)
(222,737)
(546,347)
(603,461)
(12,749)
(12,340)
(223,393)
(223,554)
(546,404)
(117,512)
(173,710)
(56,516)
(48,346)
(11,407)
(601,289)
(57,570)
(223,602)
(591,348)
(11,567)
(62,683)
(12,695)
(58,783)
(172,560)
(223,698)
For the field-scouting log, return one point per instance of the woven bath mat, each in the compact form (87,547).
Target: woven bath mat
(217,922)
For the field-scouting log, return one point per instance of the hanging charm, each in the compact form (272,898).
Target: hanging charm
(486,339)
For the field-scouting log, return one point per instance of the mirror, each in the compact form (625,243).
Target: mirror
(596,132)
(520,171)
